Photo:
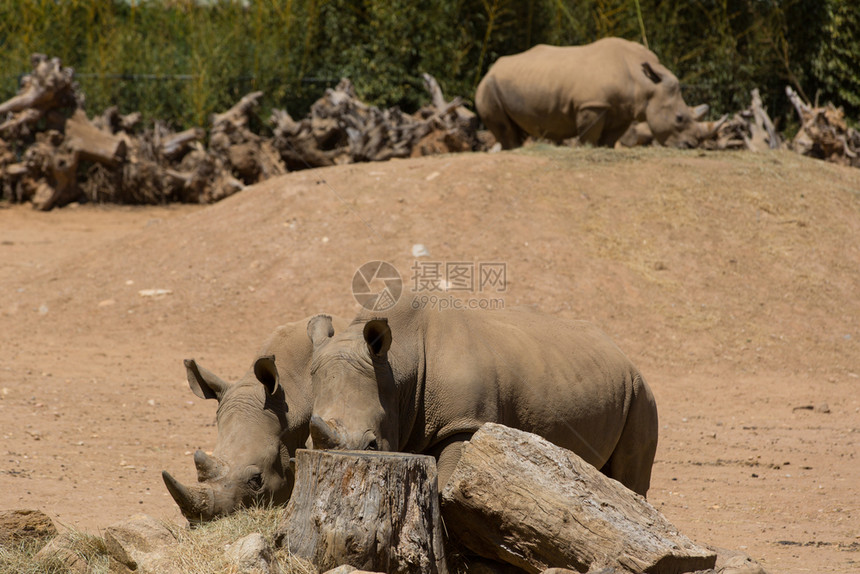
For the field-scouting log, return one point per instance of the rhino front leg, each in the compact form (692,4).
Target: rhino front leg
(448,455)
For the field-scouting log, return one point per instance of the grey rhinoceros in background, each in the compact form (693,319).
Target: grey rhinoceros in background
(593,92)
(423,381)
(262,420)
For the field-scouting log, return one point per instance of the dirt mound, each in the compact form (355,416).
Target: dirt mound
(731,280)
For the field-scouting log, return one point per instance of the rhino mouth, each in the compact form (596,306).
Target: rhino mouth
(197,503)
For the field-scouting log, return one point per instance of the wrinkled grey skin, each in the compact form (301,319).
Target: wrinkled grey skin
(593,92)
(262,419)
(424,381)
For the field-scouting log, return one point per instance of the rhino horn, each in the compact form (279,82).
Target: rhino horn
(323,435)
(707,130)
(196,503)
(699,112)
(208,468)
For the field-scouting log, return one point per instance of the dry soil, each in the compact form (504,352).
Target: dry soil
(731,280)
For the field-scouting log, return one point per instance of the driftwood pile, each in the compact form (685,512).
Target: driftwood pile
(824,134)
(750,129)
(52,154)
(342,129)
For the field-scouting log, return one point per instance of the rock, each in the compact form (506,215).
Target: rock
(733,562)
(251,554)
(64,554)
(61,550)
(140,543)
(420,250)
(16,525)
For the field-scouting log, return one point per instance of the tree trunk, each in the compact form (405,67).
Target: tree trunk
(518,498)
(374,511)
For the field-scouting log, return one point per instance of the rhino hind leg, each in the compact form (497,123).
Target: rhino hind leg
(633,457)
(507,133)
(492,111)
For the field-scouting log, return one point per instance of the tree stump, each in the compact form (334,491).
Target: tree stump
(518,498)
(372,510)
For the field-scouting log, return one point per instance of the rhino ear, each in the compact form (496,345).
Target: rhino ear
(650,73)
(320,329)
(267,373)
(203,383)
(377,335)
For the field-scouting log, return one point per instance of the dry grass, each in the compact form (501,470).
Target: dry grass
(21,558)
(199,551)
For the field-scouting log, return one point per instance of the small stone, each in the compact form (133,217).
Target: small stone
(138,542)
(823,408)
(63,549)
(154,292)
(250,554)
(420,250)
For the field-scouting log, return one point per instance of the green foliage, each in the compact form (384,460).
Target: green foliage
(837,65)
(182,60)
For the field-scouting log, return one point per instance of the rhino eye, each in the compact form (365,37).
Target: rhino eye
(372,445)
(256,482)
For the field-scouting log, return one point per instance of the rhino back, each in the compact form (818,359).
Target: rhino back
(544,87)
(564,380)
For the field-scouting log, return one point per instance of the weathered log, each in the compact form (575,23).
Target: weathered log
(238,114)
(824,133)
(763,134)
(518,498)
(176,145)
(62,185)
(91,143)
(375,511)
(802,108)
(48,86)
(111,120)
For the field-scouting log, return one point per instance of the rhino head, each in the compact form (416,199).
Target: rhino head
(251,460)
(355,399)
(671,121)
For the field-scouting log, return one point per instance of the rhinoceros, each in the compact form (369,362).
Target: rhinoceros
(593,92)
(423,381)
(262,419)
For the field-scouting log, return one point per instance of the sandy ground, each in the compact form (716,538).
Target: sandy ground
(731,280)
